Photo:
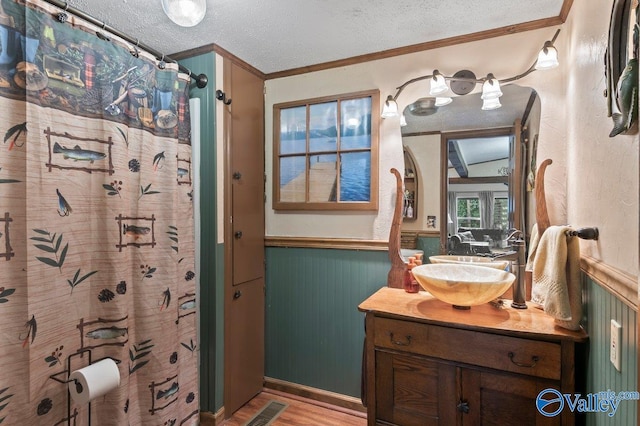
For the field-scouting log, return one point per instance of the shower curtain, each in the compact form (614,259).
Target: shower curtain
(96,224)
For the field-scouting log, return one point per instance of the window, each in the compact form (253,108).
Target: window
(468,212)
(326,153)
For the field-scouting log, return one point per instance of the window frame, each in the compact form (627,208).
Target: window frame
(372,203)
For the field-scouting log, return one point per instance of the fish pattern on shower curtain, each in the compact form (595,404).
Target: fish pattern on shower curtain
(96,224)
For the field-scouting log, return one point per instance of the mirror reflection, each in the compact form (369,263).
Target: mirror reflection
(478,191)
(466,169)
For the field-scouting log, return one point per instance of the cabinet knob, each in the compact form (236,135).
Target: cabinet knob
(238,235)
(534,361)
(463,406)
(237,175)
(237,295)
(407,341)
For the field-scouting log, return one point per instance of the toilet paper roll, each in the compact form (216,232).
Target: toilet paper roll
(94,381)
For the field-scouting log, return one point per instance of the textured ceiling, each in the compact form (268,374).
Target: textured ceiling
(280,35)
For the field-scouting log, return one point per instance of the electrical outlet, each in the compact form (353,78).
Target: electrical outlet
(614,347)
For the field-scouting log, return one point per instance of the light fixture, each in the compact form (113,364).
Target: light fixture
(491,88)
(438,84)
(548,57)
(463,82)
(390,108)
(423,107)
(186,13)
(489,104)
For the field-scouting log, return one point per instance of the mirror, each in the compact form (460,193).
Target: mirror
(471,167)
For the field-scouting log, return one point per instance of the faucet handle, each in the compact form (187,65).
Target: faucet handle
(515,235)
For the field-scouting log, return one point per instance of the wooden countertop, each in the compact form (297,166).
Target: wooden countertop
(423,307)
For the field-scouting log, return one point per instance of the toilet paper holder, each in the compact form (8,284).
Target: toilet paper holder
(77,383)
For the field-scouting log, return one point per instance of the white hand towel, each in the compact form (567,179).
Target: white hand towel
(556,281)
(533,247)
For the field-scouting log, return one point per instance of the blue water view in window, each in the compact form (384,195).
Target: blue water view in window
(355,175)
(355,172)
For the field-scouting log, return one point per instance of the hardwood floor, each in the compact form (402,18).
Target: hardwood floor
(299,412)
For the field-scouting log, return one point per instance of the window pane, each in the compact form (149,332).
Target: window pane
(501,212)
(468,212)
(293,179)
(293,130)
(355,119)
(322,178)
(355,176)
(323,123)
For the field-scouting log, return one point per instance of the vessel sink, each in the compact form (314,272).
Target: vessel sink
(473,260)
(463,284)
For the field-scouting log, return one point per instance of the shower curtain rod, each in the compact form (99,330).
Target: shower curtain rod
(201,79)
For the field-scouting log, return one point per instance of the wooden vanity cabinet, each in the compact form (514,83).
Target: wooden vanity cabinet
(429,364)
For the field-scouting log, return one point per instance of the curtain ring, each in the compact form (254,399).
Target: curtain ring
(135,53)
(63,16)
(103,36)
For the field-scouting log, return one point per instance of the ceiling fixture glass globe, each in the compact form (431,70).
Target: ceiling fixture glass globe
(186,13)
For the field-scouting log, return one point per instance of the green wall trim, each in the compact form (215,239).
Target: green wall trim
(211,265)
(601,307)
(314,331)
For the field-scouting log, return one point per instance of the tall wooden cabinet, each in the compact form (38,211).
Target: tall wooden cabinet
(429,364)
(244,235)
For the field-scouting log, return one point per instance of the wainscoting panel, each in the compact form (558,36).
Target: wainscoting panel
(429,245)
(314,331)
(601,308)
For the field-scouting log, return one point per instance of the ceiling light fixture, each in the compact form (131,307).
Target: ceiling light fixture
(464,81)
(186,13)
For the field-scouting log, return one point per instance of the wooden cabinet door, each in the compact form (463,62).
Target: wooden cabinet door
(499,399)
(414,391)
(246,169)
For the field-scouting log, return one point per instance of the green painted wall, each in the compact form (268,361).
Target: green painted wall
(314,331)
(429,245)
(212,254)
(601,308)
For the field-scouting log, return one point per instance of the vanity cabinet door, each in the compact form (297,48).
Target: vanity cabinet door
(495,398)
(414,391)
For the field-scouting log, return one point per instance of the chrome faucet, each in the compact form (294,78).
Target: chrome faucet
(517,255)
